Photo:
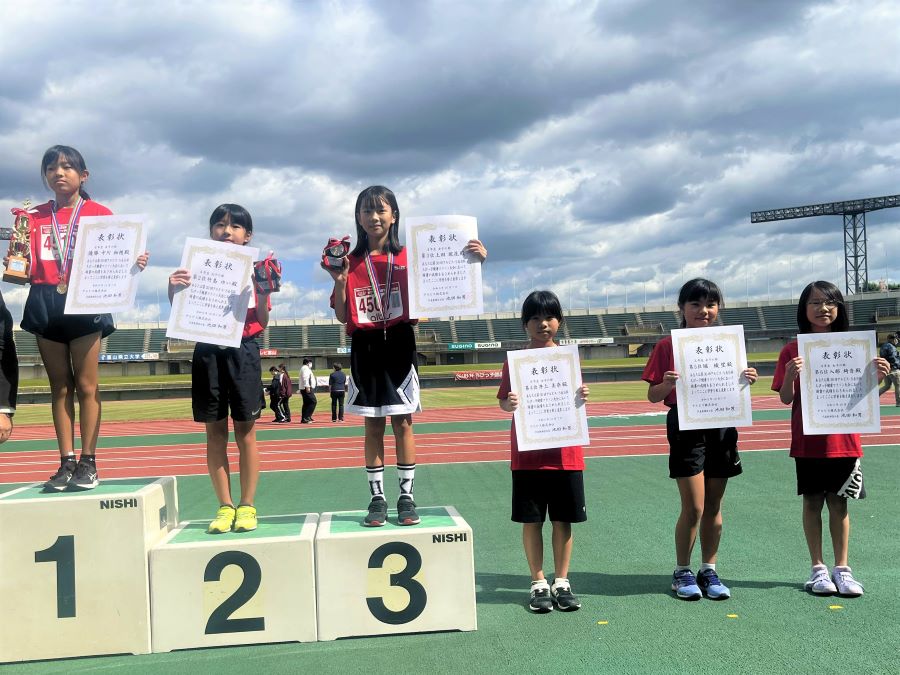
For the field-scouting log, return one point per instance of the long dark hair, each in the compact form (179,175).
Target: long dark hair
(373,197)
(74,157)
(698,289)
(833,294)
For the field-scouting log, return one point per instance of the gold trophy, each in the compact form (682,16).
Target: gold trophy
(18,265)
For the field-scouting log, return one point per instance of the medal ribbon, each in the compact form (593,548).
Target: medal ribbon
(383,300)
(63,260)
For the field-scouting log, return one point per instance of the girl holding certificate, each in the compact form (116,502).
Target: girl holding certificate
(371,297)
(69,343)
(828,465)
(700,460)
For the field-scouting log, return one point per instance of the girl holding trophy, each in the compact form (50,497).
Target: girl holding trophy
(371,297)
(69,343)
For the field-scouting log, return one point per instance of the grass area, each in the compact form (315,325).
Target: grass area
(452,397)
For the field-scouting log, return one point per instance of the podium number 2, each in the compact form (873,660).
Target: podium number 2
(220,620)
(403,579)
(63,554)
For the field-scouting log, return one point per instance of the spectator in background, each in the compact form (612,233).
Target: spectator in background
(285,393)
(337,386)
(274,390)
(890,354)
(307,391)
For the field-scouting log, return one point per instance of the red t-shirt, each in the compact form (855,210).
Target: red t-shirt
(825,446)
(44,268)
(569,458)
(361,303)
(252,326)
(662,360)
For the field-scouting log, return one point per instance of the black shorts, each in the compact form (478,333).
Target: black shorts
(535,492)
(226,377)
(383,377)
(710,451)
(841,476)
(44,317)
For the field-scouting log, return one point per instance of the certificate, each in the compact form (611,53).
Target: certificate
(839,383)
(213,308)
(443,280)
(551,413)
(710,392)
(104,273)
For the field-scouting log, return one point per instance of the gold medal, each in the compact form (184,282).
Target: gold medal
(62,287)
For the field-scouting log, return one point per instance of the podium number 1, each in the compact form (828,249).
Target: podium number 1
(63,554)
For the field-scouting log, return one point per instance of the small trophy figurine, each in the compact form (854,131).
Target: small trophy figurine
(335,252)
(19,265)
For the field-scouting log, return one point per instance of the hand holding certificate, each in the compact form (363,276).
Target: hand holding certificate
(105,265)
(212,306)
(445,266)
(711,390)
(839,383)
(550,412)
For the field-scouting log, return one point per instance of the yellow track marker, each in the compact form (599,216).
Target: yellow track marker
(835,607)
(602,623)
(732,616)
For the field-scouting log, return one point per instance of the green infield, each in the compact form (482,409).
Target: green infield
(622,564)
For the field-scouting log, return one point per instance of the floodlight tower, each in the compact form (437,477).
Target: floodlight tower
(856,265)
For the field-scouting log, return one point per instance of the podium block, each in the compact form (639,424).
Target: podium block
(234,588)
(394,579)
(74,567)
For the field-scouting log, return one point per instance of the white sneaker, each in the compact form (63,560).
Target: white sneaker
(819,583)
(847,586)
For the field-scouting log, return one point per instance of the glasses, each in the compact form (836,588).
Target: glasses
(824,304)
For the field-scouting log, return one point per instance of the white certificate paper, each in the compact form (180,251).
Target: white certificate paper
(710,392)
(443,281)
(839,383)
(213,308)
(104,272)
(551,413)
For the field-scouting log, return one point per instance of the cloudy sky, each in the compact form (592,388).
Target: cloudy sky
(607,148)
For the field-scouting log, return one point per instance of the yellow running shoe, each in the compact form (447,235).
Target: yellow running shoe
(246,518)
(223,522)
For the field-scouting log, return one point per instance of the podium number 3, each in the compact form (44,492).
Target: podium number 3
(403,579)
(220,620)
(63,554)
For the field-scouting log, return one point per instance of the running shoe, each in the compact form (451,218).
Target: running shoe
(711,586)
(846,585)
(406,511)
(540,602)
(85,477)
(685,585)
(223,522)
(819,583)
(60,480)
(377,515)
(562,594)
(245,518)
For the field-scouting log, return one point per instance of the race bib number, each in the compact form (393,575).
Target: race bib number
(47,241)
(365,303)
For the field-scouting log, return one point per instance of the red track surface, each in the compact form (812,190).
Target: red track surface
(431,448)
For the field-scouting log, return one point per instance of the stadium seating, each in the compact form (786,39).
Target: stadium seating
(780,317)
(438,329)
(748,317)
(126,341)
(582,326)
(508,329)
(472,330)
(669,320)
(324,335)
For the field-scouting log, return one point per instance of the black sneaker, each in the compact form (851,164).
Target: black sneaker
(85,477)
(60,480)
(377,515)
(541,602)
(562,594)
(406,511)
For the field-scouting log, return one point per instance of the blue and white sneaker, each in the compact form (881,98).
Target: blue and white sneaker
(712,588)
(685,585)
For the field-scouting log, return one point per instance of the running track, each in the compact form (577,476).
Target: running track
(280,451)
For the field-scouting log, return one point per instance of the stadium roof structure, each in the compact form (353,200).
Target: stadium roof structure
(856,266)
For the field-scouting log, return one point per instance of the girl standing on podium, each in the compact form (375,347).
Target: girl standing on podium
(371,297)
(69,343)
